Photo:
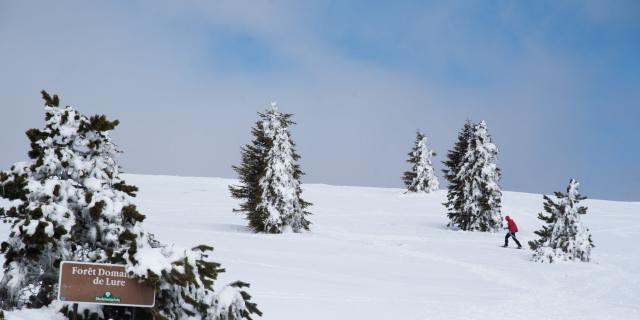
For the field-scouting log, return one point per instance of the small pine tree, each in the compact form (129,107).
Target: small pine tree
(270,177)
(564,237)
(474,196)
(74,186)
(421,177)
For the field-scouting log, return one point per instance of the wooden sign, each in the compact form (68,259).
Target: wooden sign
(101,283)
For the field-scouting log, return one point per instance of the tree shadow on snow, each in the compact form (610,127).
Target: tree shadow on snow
(228,227)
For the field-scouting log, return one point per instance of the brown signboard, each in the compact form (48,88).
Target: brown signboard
(101,283)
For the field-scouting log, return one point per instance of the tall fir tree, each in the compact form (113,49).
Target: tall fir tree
(474,196)
(564,237)
(455,189)
(421,177)
(269,176)
(71,204)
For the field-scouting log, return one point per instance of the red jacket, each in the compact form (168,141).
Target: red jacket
(511,225)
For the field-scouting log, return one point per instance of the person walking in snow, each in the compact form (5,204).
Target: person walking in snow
(513,228)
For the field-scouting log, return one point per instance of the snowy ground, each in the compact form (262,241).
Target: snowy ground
(375,253)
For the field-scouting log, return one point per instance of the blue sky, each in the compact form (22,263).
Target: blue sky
(557,82)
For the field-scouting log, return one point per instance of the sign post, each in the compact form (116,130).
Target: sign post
(99,283)
(75,311)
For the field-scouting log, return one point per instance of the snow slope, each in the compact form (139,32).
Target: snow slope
(376,253)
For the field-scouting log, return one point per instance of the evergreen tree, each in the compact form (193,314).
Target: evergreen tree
(455,189)
(564,237)
(474,196)
(40,213)
(73,192)
(270,177)
(421,177)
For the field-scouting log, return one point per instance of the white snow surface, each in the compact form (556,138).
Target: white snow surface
(376,253)
(35,314)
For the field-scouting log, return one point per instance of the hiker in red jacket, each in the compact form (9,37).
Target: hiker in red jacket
(513,228)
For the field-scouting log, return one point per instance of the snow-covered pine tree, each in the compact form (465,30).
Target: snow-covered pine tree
(40,213)
(270,177)
(564,237)
(421,177)
(106,227)
(474,196)
(456,187)
(280,185)
(251,169)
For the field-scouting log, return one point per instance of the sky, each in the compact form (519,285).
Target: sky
(558,83)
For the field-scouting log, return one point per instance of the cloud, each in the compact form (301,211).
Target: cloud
(186,80)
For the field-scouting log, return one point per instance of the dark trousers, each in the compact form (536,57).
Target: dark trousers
(512,235)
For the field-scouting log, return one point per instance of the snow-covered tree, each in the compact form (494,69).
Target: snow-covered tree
(74,191)
(564,237)
(474,196)
(41,212)
(270,177)
(455,189)
(421,177)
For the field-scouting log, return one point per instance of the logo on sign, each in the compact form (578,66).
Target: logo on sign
(107,297)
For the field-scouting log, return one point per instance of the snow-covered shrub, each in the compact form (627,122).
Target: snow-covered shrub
(474,196)
(421,177)
(564,237)
(69,203)
(270,177)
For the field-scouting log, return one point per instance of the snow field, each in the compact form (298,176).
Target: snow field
(375,253)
